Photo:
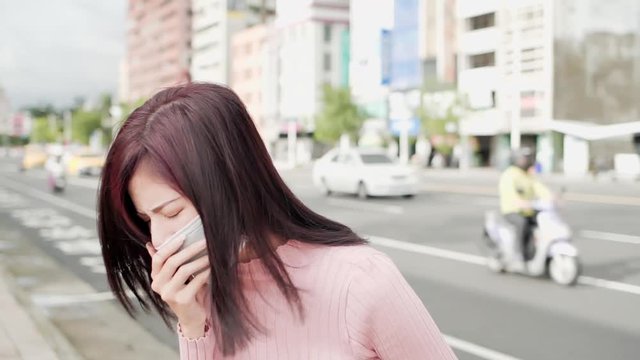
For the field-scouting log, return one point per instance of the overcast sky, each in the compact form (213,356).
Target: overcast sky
(54,50)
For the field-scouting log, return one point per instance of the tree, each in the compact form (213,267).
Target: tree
(439,116)
(42,131)
(41,110)
(340,115)
(84,123)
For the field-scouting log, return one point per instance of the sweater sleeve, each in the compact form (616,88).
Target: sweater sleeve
(202,348)
(385,317)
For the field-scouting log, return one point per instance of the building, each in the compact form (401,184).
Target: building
(370,23)
(437,41)
(312,51)
(158,46)
(545,74)
(249,52)
(214,24)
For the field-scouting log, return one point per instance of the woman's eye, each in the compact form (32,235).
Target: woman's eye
(174,214)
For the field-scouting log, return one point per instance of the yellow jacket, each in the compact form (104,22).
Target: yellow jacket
(517,186)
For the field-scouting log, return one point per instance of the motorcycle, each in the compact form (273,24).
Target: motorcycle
(550,250)
(56,175)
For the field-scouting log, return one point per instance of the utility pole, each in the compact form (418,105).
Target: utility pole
(67,127)
(263,12)
(516,78)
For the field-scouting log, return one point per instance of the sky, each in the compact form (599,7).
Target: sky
(52,51)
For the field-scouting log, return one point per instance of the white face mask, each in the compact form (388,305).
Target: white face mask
(194,232)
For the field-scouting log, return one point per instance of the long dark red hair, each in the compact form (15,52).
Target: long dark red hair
(202,141)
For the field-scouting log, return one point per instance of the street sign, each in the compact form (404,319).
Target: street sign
(412,125)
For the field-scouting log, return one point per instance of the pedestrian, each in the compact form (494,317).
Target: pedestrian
(277,280)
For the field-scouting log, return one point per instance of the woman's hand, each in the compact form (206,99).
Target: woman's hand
(181,284)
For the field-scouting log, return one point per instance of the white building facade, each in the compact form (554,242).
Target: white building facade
(551,76)
(368,21)
(311,55)
(214,23)
(506,75)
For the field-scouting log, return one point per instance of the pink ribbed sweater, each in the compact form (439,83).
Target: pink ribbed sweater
(357,306)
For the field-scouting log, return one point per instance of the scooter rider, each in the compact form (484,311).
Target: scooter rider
(519,188)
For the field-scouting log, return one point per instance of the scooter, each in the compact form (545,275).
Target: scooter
(56,175)
(550,250)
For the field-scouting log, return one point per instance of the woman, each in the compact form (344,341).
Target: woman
(277,280)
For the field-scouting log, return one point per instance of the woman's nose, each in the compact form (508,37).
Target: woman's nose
(156,233)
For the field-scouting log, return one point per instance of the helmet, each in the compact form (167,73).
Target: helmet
(523,158)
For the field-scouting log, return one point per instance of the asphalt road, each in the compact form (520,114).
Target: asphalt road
(484,315)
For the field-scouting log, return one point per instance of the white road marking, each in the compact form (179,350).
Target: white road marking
(607,236)
(80,247)
(574,197)
(479,260)
(427,250)
(89,183)
(401,245)
(95,263)
(55,200)
(367,206)
(66,233)
(477,350)
(54,300)
(608,284)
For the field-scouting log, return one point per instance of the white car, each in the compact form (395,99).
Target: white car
(365,172)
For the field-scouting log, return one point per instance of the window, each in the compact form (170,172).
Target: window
(482,60)
(327,62)
(530,103)
(347,159)
(375,159)
(482,21)
(327,33)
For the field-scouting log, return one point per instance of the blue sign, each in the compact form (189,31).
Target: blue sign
(385,56)
(396,126)
(406,67)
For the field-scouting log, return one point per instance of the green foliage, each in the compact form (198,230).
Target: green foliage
(340,115)
(434,120)
(84,123)
(41,110)
(42,131)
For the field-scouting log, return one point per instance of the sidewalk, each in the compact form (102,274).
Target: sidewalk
(48,313)
(20,337)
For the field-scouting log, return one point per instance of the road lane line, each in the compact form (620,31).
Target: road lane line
(367,206)
(479,260)
(427,250)
(53,300)
(573,197)
(89,183)
(54,200)
(58,300)
(608,284)
(607,236)
(391,243)
(477,350)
